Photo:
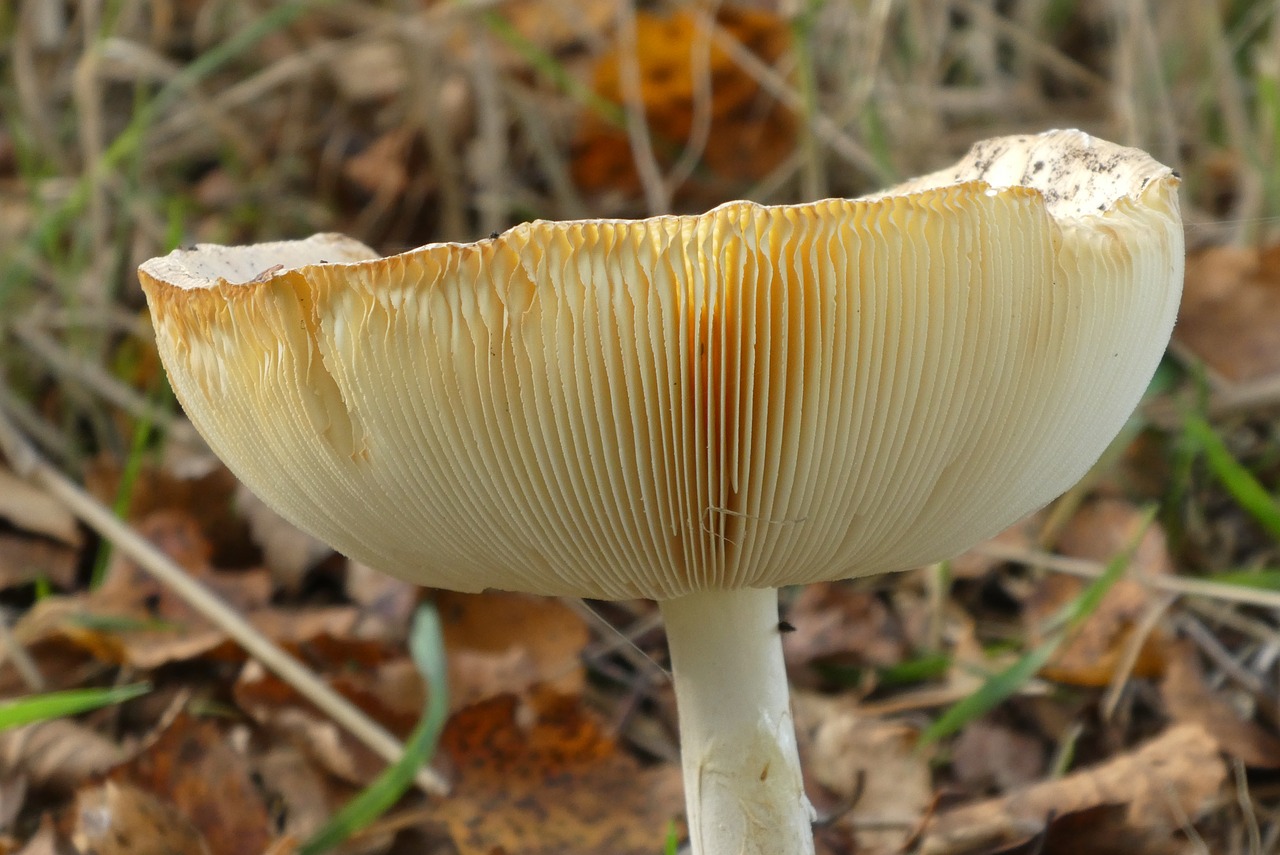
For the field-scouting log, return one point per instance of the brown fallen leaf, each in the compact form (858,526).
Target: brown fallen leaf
(386,603)
(1230,314)
(117,819)
(58,754)
(556,28)
(134,620)
(26,559)
(537,775)
(287,551)
(382,169)
(47,841)
(974,564)
(60,663)
(985,755)
(286,845)
(1099,830)
(1190,700)
(13,798)
(41,538)
(205,496)
(29,509)
(376,676)
(192,766)
(1090,657)
(749,132)
(1162,784)
(504,643)
(872,765)
(301,799)
(837,625)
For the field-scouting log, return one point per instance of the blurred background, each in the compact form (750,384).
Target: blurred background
(131,127)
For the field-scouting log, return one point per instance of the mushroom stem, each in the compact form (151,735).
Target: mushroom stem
(743,789)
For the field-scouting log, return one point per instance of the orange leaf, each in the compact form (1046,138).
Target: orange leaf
(538,775)
(750,132)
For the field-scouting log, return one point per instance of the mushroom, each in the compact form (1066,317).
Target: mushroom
(695,409)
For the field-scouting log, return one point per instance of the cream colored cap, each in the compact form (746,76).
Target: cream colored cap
(757,396)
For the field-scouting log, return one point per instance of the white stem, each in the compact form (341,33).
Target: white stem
(743,789)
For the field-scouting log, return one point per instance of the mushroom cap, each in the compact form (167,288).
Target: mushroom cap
(754,397)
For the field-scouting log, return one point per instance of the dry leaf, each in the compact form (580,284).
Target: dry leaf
(286,845)
(372,70)
(57,754)
(1023,535)
(1099,830)
(1090,657)
(297,787)
(288,551)
(537,776)
(29,509)
(13,797)
(875,763)
(116,819)
(387,603)
(1190,700)
(25,559)
(503,642)
(557,28)
(835,624)
(193,767)
(381,170)
(749,132)
(133,619)
(47,841)
(377,677)
(986,756)
(1230,314)
(42,538)
(1163,783)
(164,628)
(206,497)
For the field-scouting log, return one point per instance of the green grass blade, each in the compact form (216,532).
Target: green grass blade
(998,688)
(671,845)
(55,220)
(1267,580)
(553,70)
(123,623)
(35,708)
(1077,611)
(426,644)
(1003,685)
(1238,480)
(124,495)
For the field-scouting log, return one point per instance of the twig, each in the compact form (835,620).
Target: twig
(27,463)
(822,126)
(1131,651)
(700,115)
(1218,653)
(656,192)
(542,142)
(102,382)
(26,666)
(1048,55)
(621,641)
(1179,585)
(1247,808)
(490,149)
(50,439)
